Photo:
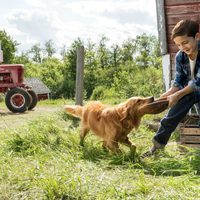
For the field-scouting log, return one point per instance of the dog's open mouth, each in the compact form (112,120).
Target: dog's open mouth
(156,106)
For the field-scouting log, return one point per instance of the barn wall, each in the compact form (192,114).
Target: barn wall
(176,10)
(43,96)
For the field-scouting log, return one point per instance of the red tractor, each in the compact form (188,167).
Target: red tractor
(19,97)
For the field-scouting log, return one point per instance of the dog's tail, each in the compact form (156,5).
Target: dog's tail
(74,110)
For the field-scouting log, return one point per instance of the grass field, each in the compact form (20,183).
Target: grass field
(40,158)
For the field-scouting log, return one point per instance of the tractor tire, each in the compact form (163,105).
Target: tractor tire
(17,100)
(34,99)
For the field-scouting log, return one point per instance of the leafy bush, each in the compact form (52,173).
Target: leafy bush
(102,92)
(140,82)
(106,95)
(98,93)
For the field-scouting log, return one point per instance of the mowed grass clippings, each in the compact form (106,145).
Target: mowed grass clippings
(43,160)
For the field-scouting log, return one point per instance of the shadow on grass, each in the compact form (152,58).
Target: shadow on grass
(93,153)
(7,113)
(161,164)
(166,165)
(97,154)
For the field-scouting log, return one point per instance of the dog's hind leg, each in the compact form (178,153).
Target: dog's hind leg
(113,146)
(84,132)
(129,144)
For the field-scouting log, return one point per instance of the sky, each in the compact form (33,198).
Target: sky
(36,21)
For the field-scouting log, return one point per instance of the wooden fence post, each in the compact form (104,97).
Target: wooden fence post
(79,75)
(1,54)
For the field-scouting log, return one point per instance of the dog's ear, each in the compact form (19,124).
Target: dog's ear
(155,107)
(126,109)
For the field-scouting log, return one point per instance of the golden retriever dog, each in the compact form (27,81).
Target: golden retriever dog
(113,124)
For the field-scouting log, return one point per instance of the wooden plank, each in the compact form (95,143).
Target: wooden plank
(173,56)
(169,29)
(173,19)
(181,2)
(182,9)
(190,126)
(173,73)
(189,139)
(191,145)
(173,48)
(190,131)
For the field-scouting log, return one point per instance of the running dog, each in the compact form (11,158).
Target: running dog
(114,123)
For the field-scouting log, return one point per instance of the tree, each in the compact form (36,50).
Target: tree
(116,70)
(51,71)
(33,70)
(90,68)
(23,58)
(103,53)
(147,48)
(115,55)
(90,55)
(67,88)
(63,52)
(36,53)
(49,48)
(9,47)
(128,50)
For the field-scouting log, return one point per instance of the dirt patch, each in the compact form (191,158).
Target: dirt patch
(14,120)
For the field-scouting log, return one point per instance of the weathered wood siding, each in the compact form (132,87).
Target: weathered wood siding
(42,96)
(176,10)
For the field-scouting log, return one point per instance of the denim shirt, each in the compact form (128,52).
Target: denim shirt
(183,72)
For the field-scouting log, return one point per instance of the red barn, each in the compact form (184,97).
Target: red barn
(42,91)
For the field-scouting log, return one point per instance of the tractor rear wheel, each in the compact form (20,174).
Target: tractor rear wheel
(17,100)
(34,99)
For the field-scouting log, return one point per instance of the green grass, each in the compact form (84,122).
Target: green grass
(55,102)
(43,160)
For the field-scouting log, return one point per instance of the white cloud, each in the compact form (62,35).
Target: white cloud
(91,6)
(36,3)
(34,26)
(63,21)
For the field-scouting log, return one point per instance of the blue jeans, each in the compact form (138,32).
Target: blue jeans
(176,113)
